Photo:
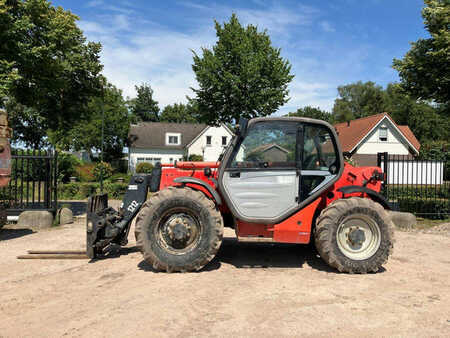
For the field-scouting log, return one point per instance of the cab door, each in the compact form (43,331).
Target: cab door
(261,178)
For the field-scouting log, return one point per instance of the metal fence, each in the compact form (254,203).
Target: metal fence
(418,186)
(33,184)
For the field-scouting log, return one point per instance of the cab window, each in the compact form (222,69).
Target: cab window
(319,151)
(269,144)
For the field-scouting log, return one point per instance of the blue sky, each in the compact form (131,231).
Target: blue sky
(328,43)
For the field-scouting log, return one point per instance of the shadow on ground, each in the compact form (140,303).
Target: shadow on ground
(261,256)
(6,234)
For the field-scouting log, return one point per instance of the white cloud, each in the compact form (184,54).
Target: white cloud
(137,51)
(327,27)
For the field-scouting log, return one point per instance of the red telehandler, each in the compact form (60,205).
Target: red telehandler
(280,179)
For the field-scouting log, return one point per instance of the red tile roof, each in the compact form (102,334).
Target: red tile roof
(410,136)
(350,134)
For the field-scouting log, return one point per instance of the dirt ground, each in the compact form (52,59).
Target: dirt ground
(249,289)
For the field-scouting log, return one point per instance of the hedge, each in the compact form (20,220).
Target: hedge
(427,208)
(441,191)
(71,191)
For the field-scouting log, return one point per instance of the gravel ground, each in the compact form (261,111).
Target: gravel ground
(249,289)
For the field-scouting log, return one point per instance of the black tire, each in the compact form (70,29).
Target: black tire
(342,214)
(152,220)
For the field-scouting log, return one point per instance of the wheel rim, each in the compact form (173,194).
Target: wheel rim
(179,231)
(358,237)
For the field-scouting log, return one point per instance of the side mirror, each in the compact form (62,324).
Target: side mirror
(242,126)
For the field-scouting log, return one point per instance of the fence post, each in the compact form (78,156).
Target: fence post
(55,183)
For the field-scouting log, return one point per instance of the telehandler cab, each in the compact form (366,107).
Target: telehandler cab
(280,179)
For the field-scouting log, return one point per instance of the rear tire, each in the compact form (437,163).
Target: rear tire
(178,229)
(354,235)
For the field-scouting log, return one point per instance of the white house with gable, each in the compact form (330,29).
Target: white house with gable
(169,142)
(362,139)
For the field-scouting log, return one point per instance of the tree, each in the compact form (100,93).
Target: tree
(422,117)
(424,70)
(242,76)
(314,113)
(358,100)
(29,127)
(45,62)
(427,121)
(143,107)
(179,113)
(87,134)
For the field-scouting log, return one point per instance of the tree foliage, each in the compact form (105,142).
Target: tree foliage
(312,112)
(427,121)
(45,62)
(87,134)
(424,70)
(242,75)
(144,107)
(358,100)
(29,127)
(179,113)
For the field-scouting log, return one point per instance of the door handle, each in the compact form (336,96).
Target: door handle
(235,174)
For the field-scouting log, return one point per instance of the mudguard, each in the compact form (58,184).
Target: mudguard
(192,180)
(377,197)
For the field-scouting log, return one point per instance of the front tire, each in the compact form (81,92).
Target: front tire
(179,229)
(354,235)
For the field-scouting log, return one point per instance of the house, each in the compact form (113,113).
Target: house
(269,152)
(169,142)
(362,139)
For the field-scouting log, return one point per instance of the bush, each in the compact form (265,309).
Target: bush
(81,191)
(195,158)
(427,208)
(144,168)
(102,168)
(126,177)
(67,164)
(431,191)
(85,172)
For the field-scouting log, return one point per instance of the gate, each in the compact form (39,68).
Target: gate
(418,186)
(33,184)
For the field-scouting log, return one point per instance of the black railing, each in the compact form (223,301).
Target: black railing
(418,186)
(33,184)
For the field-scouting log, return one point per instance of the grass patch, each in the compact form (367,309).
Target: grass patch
(425,223)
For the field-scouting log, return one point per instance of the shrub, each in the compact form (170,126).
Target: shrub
(428,208)
(126,177)
(85,172)
(144,168)
(78,190)
(67,164)
(431,191)
(102,168)
(195,158)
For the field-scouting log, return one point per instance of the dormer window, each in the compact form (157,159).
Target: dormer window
(173,139)
(383,134)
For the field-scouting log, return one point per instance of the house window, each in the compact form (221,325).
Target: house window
(152,160)
(383,134)
(173,139)
(208,140)
(224,140)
